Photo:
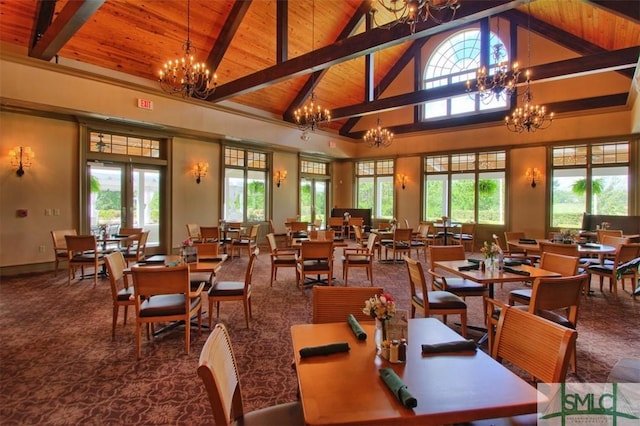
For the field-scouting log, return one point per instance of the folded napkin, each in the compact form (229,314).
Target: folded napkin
(356,328)
(476,261)
(472,267)
(527,241)
(516,271)
(457,346)
(332,348)
(513,262)
(398,387)
(172,264)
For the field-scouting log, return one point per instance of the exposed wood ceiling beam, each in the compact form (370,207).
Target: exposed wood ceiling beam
(354,47)
(625,8)
(615,100)
(228,31)
(282,33)
(315,78)
(600,62)
(71,18)
(43,18)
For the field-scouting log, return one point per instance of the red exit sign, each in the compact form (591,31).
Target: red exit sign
(145,104)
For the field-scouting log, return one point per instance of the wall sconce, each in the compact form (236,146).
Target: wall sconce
(279,177)
(200,170)
(403,180)
(532,174)
(21,157)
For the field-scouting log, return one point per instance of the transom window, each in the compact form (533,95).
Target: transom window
(313,167)
(467,187)
(124,145)
(457,60)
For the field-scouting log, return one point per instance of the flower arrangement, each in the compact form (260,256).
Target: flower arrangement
(490,250)
(393,221)
(347,216)
(381,307)
(187,243)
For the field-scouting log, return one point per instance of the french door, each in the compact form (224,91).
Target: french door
(313,200)
(125,195)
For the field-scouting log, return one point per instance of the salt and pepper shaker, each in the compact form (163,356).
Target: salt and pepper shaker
(402,350)
(393,351)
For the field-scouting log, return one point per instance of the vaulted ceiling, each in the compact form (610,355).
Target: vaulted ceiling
(270,55)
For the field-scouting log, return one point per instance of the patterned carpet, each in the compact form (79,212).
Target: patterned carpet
(59,365)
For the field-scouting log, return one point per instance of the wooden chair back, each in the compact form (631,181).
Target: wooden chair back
(116,264)
(441,253)
(534,344)
(417,281)
(561,293)
(299,226)
(218,370)
(325,235)
(626,253)
(129,231)
(601,233)
(559,263)
(384,225)
(193,231)
(316,250)
(271,241)
(207,251)
(356,221)
(210,233)
(78,244)
(334,304)
(559,248)
(513,235)
(60,245)
(402,235)
(611,240)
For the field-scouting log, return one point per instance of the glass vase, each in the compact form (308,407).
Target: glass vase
(490,264)
(380,334)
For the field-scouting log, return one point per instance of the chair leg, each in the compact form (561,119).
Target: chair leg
(138,347)
(187,335)
(210,313)
(273,274)
(463,324)
(247,310)
(116,308)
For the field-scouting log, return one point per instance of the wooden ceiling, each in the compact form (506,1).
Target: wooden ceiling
(269,55)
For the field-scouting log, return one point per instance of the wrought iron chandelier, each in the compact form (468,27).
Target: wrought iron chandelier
(529,117)
(185,75)
(499,82)
(412,12)
(312,115)
(378,137)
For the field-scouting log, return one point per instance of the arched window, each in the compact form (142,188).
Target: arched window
(456,60)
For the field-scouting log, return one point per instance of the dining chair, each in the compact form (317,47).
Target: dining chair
(354,221)
(612,241)
(567,250)
(334,304)
(315,258)
(210,234)
(561,264)
(358,236)
(337,225)
(193,231)
(513,235)
(122,294)
(513,258)
(534,345)
(204,252)
(554,298)
(219,372)
(248,242)
(466,236)
(436,302)
(280,257)
(611,232)
(323,235)
(82,251)
(280,237)
(229,291)
(624,253)
(298,230)
(400,244)
(60,252)
(456,285)
(359,257)
(129,231)
(163,294)
(135,246)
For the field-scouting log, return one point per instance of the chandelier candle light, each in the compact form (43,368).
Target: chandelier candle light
(185,75)
(412,12)
(529,117)
(499,81)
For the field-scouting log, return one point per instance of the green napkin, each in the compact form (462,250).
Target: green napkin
(356,328)
(398,387)
(332,348)
(457,346)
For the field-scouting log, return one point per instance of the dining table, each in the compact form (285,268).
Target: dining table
(347,388)
(445,229)
(532,245)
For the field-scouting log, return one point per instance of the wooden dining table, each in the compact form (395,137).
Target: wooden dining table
(533,246)
(346,388)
